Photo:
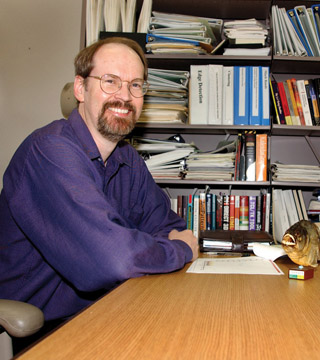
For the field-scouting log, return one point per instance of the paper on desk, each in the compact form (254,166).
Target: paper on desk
(269,252)
(242,265)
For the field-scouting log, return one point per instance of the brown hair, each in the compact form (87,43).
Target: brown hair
(83,62)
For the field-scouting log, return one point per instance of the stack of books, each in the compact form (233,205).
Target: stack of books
(296,32)
(300,173)
(167,98)
(296,102)
(175,33)
(229,95)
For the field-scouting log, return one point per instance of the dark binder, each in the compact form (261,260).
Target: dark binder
(232,240)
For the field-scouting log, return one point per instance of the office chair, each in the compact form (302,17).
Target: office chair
(17,319)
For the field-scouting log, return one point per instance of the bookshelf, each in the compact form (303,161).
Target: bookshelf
(289,144)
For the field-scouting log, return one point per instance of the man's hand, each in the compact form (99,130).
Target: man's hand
(187,237)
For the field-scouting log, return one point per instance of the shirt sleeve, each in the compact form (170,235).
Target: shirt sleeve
(55,200)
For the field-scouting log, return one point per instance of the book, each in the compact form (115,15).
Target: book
(261,157)
(237,212)
(259,212)
(215,94)
(265,96)
(304,102)
(250,156)
(277,102)
(226,208)
(295,118)
(252,212)
(298,101)
(244,212)
(289,101)
(280,217)
(227,95)
(284,103)
(290,206)
(196,201)
(268,210)
(202,211)
(190,212)
(198,94)
(297,204)
(303,205)
(219,211)
(255,95)
(313,103)
(241,95)
(232,213)
(213,226)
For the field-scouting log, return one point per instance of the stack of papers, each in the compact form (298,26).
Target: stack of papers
(174,33)
(164,158)
(167,97)
(301,173)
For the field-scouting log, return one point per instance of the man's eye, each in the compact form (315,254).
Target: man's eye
(136,85)
(110,82)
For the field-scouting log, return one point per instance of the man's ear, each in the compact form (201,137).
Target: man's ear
(78,88)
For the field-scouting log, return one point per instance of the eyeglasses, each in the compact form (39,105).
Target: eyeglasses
(110,84)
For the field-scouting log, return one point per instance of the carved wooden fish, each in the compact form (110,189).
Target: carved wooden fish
(301,242)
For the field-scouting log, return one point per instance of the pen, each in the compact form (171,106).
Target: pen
(227,253)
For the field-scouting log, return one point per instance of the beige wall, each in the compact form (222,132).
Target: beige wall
(38,42)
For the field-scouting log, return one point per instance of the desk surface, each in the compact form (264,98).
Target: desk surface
(195,316)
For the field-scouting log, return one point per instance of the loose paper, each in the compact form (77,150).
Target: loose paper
(242,265)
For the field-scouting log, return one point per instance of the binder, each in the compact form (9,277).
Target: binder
(215,94)
(265,95)
(255,93)
(315,9)
(198,94)
(241,95)
(228,95)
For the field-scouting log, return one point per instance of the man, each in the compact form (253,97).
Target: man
(79,211)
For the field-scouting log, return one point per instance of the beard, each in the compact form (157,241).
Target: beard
(115,128)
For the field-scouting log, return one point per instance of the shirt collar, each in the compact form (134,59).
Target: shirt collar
(81,130)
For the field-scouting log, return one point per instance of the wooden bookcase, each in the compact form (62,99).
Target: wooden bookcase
(288,144)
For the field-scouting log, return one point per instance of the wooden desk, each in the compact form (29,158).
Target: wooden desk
(195,316)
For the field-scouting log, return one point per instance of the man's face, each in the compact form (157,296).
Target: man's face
(112,115)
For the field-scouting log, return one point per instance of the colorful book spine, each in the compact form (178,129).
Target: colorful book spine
(219,213)
(244,213)
(252,212)
(259,213)
(284,103)
(202,212)
(213,227)
(232,213)
(226,209)
(190,212)
(277,103)
(261,157)
(237,212)
(296,118)
(208,211)
(196,202)
(298,101)
(304,102)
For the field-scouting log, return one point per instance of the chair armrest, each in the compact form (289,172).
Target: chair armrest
(20,319)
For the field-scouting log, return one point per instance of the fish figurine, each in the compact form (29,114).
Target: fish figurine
(301,242)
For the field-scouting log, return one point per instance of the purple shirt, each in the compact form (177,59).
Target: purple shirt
(71,229)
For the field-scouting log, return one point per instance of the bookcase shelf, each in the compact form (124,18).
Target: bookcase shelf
(223,184)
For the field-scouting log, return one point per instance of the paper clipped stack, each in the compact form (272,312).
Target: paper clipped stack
(164,158)
(213,165)
(175,33)
(167,98)
(246,37)
(301,173)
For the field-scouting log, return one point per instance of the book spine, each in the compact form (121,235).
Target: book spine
(295,118)
(252,212)
(265,103)
(244,212)
(241,95)
(226,209)
(307,87)
(213,227)
(232,213)
(228,95)
(179,207)
(277,103)
(255,95)
(259,213)
(196,201)
(289,101)
(190,212)
(198,94)
(263,211)
(202,212)
(314,103)
(268,217)
(219,213)
(298,101)
(284,103)
(237,212)
(208,211)
(261,157)
(304,102)
(250,155)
